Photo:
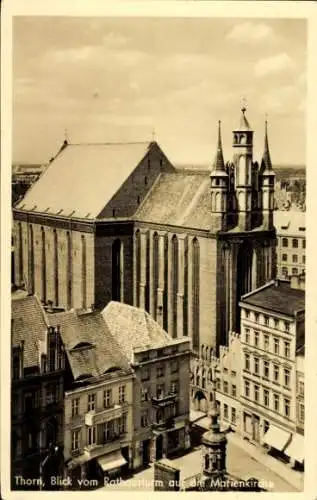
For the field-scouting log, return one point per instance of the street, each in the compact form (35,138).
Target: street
(239,463)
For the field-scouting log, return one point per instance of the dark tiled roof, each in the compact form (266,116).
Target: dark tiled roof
(178,199)
(85,178)
(97,350)
(133,328)
(28,324)
(277,297)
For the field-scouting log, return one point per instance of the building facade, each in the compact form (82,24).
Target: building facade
(272,329)
(161,367)
(291,243)
(186,261)
(37,392)
(227,369)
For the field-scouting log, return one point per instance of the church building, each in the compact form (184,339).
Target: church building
(119,222)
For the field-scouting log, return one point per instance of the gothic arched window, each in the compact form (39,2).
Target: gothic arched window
(174,285)
(195,292)
(55,266)
(117,270)
(137,266)
(43,265)
(155,272)
(69,270)
(83,272)
(31,260)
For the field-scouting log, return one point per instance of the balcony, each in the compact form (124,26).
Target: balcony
(95,417)
(97,450)
(164,425)
(164,400)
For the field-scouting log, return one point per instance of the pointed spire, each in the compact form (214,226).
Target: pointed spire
(219,164)
(266,158)
(244,124)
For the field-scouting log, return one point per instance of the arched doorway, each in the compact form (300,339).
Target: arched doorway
(200,401)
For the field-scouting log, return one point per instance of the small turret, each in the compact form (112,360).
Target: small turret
(267,180)
(219,189)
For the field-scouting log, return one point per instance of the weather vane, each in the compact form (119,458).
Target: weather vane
(244,104)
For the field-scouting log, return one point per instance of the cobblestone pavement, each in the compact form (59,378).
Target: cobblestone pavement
(239,463)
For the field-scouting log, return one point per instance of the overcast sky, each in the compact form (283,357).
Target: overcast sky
(106,79)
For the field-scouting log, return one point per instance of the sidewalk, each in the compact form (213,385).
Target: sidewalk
(293,477)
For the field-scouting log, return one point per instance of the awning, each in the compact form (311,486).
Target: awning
(296,448)
(276,438)
(111,461)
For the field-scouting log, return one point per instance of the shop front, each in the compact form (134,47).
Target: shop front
(295,451)
(276,441)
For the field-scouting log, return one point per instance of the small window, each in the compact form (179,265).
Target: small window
(284,257)
(303,243)
(287,408)
(256,393)
(256,317)
(144,394)
(266,369)
(247,335)
(247,362)
(174,367)
(256,366)
(256,338)
(276,373)
(295,243)
(225,387)
(225,412)
(303,259)
(302,413)
(91,402)
(122,394)
(160,371)
(247,314)
(75,407)
(294,259)
(266,321)
(294,271)
(276,346)
(266,397)
(287,376)
(284,271)
(247,388)
(146,180)
(284,242)
(113,212)
(286,326)
(276,402)
(266,342)
(234,391)
(145,374)
(161,162)
(276,323)
(138,200)
(233,416)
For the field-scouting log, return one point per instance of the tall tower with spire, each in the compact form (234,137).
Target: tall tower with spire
(267,181)
(243,156)
(219,189)
(241,215)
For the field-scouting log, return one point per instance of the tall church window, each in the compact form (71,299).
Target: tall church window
(83,272)
(43,265)
(31,260)
(20,253)
(165,294)
(155,272)
(69,270)
(117,270)
(185,304)
(195,292)
(137,266)
(174,284)
(147,274)
(55,267)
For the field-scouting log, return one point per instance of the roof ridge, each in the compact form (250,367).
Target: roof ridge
(110,143)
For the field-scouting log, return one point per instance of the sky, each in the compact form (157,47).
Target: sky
(131,79)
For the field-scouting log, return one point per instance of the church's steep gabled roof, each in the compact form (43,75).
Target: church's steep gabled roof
(178,199)
(83,178)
